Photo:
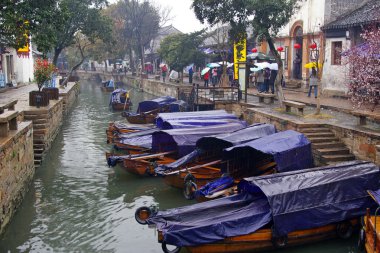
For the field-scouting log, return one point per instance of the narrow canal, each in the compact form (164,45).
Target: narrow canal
(77,204)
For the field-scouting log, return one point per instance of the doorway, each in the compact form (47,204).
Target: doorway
(297,60)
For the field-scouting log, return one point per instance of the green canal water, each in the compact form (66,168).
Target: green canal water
(77,204)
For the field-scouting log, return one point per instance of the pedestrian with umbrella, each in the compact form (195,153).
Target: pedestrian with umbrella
(206,75)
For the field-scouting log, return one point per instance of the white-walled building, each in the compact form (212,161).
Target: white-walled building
(16,68)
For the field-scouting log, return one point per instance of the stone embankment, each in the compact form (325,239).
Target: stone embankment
(22,147)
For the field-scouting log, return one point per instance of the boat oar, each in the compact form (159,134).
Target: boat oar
(195,167)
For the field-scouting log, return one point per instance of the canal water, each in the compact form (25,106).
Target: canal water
(77,204)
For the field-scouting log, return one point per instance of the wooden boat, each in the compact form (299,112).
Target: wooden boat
(252,158)
(144,165)
(119,100)
(271,212)
(263,240)
(167,145)
(147,110)
(142,118)
(107,88)
(369,236)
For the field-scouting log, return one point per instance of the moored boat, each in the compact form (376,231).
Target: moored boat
(119,100)
(272,211)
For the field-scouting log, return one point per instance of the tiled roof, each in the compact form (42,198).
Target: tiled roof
(366,14)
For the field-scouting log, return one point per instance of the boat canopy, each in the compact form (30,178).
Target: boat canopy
(183,140)
(157,103)
(143,141)
(200,115)
(290,150)
(177,106)
(120,126)
(116,96)
(316,197)
(186,123)
(226,140)
(221,141)
(290,201)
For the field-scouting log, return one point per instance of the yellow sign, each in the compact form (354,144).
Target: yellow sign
(240,55)
(25,50)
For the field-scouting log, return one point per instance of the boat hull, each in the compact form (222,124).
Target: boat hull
(120,106)
(262,240)
(107,89)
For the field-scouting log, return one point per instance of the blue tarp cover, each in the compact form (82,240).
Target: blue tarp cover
(316,197)
(375,195)
(115,96)
(149,105)
(183,140)
(201,115)
(178,106)
(213,220)
(227,140)
(161,169)
(144,141)
(292,201)
(291,150)
(220,142)
(120,125)
(186,123)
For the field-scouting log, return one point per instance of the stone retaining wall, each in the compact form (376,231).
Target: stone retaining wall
(363,144)
(16,170)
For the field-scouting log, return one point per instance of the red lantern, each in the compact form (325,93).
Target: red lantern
(297,46)
(254,50)
(280,49)
(313,46)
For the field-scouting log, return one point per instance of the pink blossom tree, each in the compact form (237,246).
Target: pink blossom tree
(364,64)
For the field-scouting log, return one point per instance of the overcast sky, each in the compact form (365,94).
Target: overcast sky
(183,17)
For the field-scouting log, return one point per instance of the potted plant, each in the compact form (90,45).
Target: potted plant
(43,71)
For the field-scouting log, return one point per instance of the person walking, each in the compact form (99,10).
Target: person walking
(164,71)
(260,80)
(206,77)
(214,76)
(313,82)
(191,73)
(273,76)
(266,80)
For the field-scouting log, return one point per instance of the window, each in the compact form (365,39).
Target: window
(336,53)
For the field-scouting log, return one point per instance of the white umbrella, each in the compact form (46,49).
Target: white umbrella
(230,65)
(273,66)
(263,65)
(162,64)
(255,69)
(213,65)
(224,63)
(204,71)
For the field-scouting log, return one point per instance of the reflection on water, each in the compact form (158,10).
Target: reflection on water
(77,204)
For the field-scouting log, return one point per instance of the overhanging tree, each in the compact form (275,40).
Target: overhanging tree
(68,18)
(18,17)
(364,64)
(265,17)
(180,50)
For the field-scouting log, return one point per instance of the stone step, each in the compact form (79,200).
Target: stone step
(334,151)
(315,130)
(309,125)
(38,156)
(323,139)
(329,144)
(38,145)
(37,162)
(338,158)
(39,126)
(36,112)
(39,131)
(39,121)
(315,135)
(38,150)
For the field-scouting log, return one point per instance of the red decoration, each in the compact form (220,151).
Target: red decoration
(280,49)
(313,46)
(254,50)
(297,46)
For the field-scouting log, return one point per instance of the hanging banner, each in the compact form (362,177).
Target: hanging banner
(24,51)
(240,55)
